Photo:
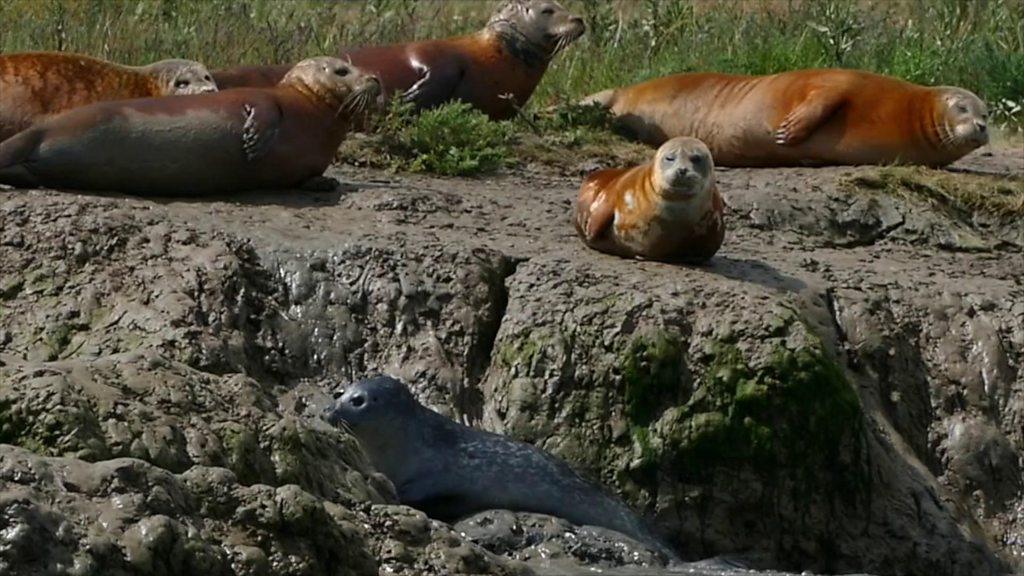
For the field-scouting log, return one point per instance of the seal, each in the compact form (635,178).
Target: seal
(804,117)
(228,141)
(450,471)
(667,209)
(496,70)
(34,85)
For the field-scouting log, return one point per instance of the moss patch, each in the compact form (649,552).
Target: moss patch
(796,413)
(57,340)
(959,194)
(651,367)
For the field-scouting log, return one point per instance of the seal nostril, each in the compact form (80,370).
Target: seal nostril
(337,394)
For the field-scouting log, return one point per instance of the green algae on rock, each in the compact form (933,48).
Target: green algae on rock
(796,412)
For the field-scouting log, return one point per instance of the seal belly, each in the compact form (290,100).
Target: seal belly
(168,154)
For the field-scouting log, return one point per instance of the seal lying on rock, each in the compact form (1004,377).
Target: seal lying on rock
(496,70)
(449,470)
(668,209)
(228,141)
(38,84)
(804,117)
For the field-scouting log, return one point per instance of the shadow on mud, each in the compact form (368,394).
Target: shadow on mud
(755,272)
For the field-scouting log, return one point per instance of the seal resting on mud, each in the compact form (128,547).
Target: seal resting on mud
(206,143)
(496,70)
(667,209)
(37,84)
(450,471)
(804,117)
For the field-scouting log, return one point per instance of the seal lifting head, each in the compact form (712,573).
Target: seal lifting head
(369,401)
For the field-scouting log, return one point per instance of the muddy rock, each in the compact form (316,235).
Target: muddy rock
(839,390)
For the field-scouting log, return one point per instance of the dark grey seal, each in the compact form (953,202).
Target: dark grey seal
(450,471)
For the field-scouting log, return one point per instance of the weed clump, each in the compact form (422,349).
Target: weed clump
(452,140)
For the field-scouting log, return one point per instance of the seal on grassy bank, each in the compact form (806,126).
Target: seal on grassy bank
(34,85)
(667,209)
(227,141)
(804,117)
(450,471)
(496,69)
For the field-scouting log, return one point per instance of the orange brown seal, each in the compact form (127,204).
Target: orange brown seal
(37,84)
(804,118)
(496,70)
(668,209)
(245,139)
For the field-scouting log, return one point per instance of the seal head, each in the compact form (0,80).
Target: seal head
(370,403)
(179,77)
(962,118)
(334,83)
(536,30)
(683,170)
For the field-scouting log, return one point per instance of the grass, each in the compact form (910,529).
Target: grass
(978,44)
(960,193)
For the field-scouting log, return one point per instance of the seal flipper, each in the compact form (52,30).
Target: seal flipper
(808,115)
(260,125)
(15,153)
(597,218)
(436,84)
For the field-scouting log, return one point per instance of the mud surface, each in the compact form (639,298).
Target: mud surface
(840,390)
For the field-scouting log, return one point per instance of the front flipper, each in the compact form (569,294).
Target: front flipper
(15,154)
(596,212)
(260,124)
(808,115)
(437,82)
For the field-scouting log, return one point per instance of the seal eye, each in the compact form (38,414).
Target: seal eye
(549,11)
(961,109)
(207,78)
(696,159)
(670,158)
(358,400)
(341,72)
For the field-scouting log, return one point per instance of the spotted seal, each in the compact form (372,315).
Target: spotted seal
(450,470)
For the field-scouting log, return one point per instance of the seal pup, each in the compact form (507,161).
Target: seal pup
(804,117)
(496,69)
(246,139)
(667,209)
(37,84)
(450,470)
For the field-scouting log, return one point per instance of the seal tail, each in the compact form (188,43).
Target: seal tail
(14,153)
(605,98)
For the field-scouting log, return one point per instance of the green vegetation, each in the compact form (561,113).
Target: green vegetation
(961,194)
(795,412)
(651,371)
(454,140)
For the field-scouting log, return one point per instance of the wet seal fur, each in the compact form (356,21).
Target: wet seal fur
(450,471)
(804,117)
(667,209)
(246,139)
(496,70)
(34,85)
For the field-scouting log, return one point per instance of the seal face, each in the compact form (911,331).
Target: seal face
(244,139)
(668,209)
(34,85)
(451,471)
(179,77)
(496,70)
(804,117)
